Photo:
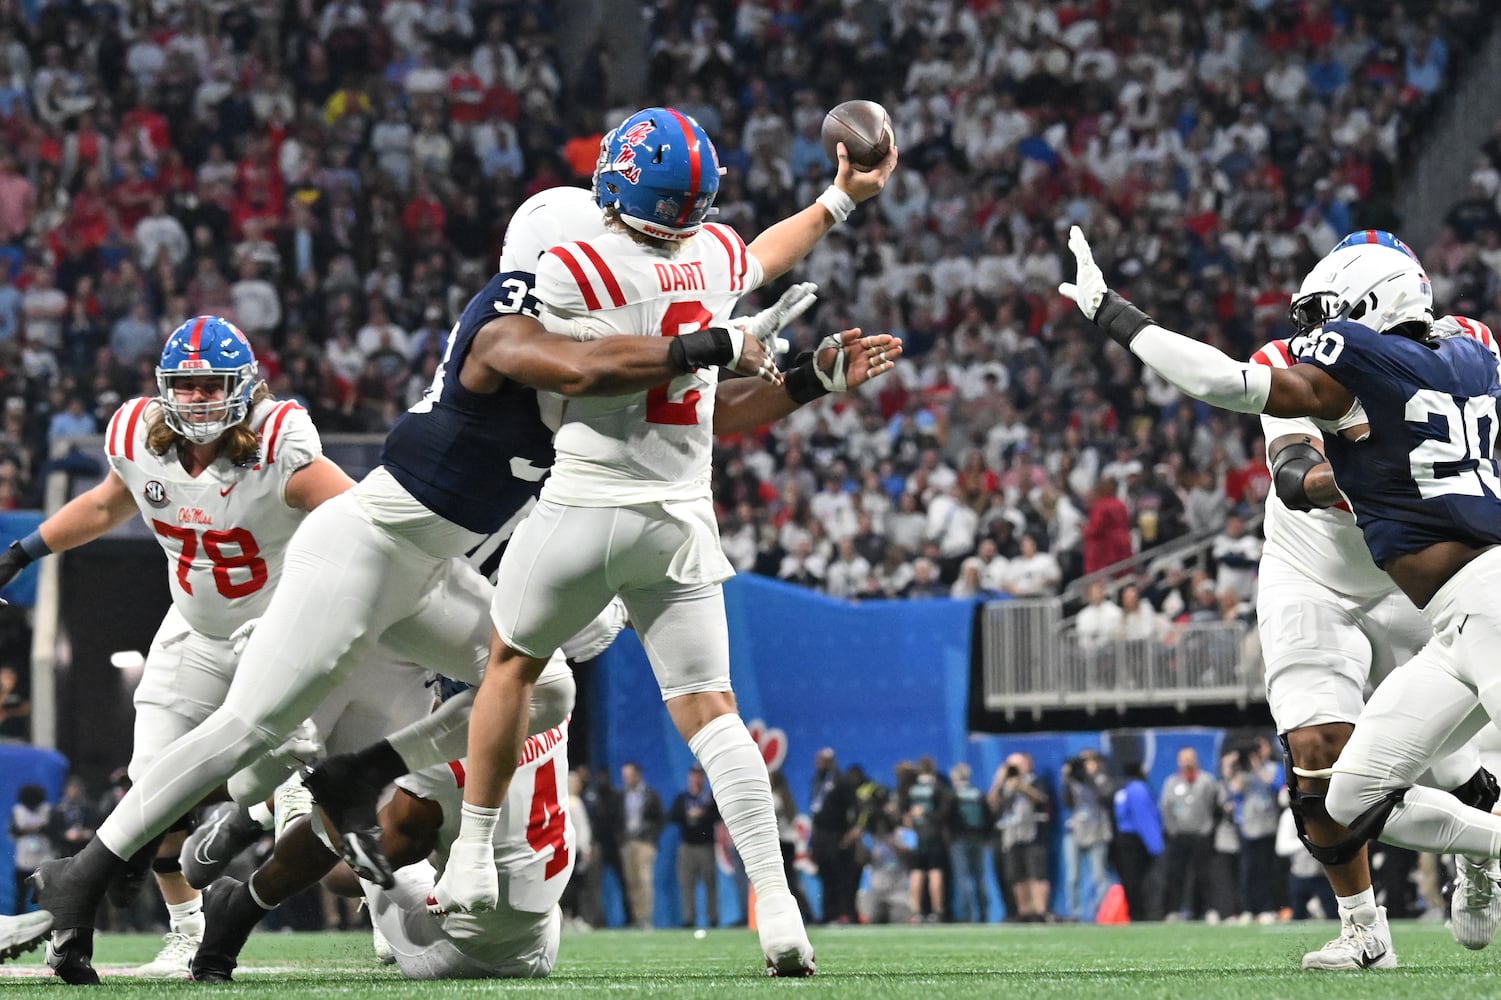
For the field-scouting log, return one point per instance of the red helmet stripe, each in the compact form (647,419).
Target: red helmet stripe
(695,167)
(1371,237)
(195,336)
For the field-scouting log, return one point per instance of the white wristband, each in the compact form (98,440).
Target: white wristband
(838,204)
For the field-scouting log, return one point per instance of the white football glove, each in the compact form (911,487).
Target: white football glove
(240,637)
(1088,287)
(768,323)
(469,883)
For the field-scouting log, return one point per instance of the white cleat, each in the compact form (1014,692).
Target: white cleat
(1475,910)
(784,939)
(175,960)
(1364,942)
(22,933)
(291,800)
(384,953)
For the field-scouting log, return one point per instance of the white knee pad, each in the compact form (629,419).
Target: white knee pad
(552,696)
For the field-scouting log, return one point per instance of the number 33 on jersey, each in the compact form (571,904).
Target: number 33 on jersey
(225,530)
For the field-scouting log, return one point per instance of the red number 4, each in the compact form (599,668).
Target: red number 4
(546,825)
(246,556)
(680,318)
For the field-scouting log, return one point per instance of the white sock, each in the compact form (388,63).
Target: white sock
(187,918)
(1364,898)
(477,823)
(262,814)
(742,791)
(437,738)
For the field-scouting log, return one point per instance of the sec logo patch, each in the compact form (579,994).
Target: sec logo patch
(155,494)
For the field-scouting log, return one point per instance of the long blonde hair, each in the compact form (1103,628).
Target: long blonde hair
(239,444)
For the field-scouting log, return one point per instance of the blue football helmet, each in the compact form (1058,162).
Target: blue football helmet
(206,345)
(660,172)
(1374,237)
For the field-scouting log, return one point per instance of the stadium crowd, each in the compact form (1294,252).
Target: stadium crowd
(335,178)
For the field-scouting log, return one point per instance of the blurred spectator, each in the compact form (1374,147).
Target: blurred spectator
(1022,808)
(1190,809)
(1138,842)
(1237,556)
(641,819)
(573,902)
(30,820)
(967,827)
(694,813)
(15,707)
(1099,622)
(73,820)
(1031,573)
(1087,795)
(923,807)
(1107,535)
(1254,780)
(786,809)
(835,834)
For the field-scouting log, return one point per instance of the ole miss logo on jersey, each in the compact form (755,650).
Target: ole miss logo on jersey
(155,494)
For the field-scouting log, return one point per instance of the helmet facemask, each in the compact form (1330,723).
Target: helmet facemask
(202,421)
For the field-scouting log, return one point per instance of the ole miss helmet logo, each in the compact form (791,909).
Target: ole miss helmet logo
(155,494)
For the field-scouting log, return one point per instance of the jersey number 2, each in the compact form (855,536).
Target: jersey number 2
(1438,464)
(680,318)
(545,825)
(246,556)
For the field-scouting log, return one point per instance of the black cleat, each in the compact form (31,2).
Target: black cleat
(350,802)
(230,913)
(59,888)
(125,887)
(70,956)
(216,842)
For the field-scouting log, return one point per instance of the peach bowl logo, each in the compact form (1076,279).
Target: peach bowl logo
(771,740)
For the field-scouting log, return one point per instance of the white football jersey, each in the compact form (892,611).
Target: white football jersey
(1324,545)
(643,446)
(226,530)
(535,846)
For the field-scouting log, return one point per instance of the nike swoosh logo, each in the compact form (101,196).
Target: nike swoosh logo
(1367,960)
(200,855)
(225,492)
(1463,624)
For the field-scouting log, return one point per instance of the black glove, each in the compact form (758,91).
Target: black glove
(12,562)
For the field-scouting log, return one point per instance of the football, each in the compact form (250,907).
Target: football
(865,129)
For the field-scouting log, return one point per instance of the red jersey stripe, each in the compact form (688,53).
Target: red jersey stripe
(114,430)
(281,414)
(130,428)
(724,241)
(1273,355)
(695,167)
(591,300)
(617,297)
(458,773)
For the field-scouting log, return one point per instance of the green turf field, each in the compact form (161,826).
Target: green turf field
(1163,960)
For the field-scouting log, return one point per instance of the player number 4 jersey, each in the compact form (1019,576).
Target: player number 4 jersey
(226,530)
(645,446)
(535,848)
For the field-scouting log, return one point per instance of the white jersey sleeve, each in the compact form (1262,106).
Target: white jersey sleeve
(1324,545)
(225,530)
(645,446)
(535,841)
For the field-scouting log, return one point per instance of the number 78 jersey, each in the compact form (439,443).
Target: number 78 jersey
(1427,471)
(643,446)
(225,530)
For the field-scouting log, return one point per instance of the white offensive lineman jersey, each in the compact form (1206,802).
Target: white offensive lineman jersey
(535,846)
(1326,545)
(226,530)
(644,446)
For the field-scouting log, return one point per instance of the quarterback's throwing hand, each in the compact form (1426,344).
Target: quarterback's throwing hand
(469,883)
(767,324)
(1088,287)
(755,359)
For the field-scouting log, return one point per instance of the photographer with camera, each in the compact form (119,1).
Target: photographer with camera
(1252,784)
(1023,809)
(1087,794)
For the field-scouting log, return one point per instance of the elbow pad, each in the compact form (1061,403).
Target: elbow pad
(1289,469)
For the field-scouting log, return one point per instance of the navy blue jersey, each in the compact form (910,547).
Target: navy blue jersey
(474,459)
(1427,471)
